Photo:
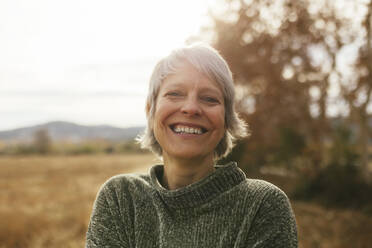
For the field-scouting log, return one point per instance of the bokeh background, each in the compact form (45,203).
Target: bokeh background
(73,82)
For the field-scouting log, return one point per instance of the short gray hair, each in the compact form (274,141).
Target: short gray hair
(209,62)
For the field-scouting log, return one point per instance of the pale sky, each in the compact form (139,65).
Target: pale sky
(86,61)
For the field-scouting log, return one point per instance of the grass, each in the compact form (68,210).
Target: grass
(47,201)
(331,228)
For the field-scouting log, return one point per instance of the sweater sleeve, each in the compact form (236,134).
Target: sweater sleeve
(274,224)
(105,228)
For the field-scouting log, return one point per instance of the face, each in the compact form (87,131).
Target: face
(189,118)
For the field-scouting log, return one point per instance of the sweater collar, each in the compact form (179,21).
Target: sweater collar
(222,179)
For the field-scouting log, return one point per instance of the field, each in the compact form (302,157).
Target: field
(46,202)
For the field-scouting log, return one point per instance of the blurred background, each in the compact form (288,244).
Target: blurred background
(73,82)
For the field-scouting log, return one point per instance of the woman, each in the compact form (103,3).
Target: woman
(189,201)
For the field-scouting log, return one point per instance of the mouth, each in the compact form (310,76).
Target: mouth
(188,129)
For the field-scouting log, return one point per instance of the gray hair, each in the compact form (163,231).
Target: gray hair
(209,62)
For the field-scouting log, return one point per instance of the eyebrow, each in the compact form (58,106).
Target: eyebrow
(214,90)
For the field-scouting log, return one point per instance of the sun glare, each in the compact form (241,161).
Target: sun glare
(86,47)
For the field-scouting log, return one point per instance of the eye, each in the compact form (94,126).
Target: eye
(211,99)
(173,93)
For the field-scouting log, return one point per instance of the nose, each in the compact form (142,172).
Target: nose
(191,107)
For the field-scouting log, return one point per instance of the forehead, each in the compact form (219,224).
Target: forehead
(186,75)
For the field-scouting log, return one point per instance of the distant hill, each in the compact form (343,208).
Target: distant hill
(67,131)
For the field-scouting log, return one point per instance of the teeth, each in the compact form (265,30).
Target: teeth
(191,130)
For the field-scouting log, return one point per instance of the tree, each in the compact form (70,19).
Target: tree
(42,141)
(286,57)
(268,53)
(358,93)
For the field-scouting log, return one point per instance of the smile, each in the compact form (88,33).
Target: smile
(178,128)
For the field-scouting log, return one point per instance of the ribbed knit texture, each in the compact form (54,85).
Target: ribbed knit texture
(224,209)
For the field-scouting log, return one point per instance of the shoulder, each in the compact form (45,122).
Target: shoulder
(260,186)
(274,223)
(125,185)
(263,191)
(128,179)
(272,201)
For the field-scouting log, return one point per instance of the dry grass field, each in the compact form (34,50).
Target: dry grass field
(46,202)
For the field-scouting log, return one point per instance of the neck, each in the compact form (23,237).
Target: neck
(179,173)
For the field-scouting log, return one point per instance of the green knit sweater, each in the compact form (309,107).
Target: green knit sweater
(224,209)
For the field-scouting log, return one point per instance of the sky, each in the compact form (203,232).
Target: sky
(86,61)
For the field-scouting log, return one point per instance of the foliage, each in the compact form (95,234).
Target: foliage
(129,146)
(42,141)
(340,182)
(293,81)
(69,148)
(291,144)
(235,155)
(336,185)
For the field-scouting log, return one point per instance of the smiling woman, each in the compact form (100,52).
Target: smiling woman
(189,119)
(189,200)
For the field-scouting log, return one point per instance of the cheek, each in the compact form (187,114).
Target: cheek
(219,118)
(162,112)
